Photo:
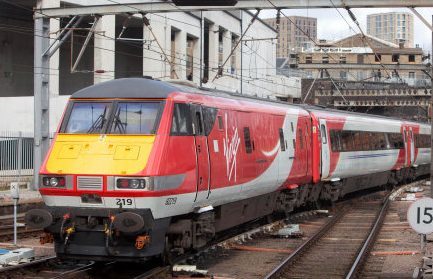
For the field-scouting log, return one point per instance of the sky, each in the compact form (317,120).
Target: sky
(331,25)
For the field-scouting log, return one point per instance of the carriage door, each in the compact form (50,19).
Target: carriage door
(407,145)
(202,153)
(325,149)
(411,147)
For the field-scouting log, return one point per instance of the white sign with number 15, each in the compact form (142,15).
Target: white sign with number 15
(420,215)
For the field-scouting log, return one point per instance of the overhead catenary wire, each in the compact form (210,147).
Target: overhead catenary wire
(147,24)
(30,30)
(353,17)
(257,68)
(236,76)
(239,41)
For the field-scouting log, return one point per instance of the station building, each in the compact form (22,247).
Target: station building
(190,46)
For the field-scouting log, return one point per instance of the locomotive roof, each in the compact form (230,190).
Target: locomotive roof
(127,88)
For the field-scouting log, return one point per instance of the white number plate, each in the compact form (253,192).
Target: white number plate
(125,202)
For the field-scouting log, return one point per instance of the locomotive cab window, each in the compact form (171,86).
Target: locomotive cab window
(135,118)
(87,118)
(112,118)
(182,122)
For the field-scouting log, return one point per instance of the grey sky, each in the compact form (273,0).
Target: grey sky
(332,26)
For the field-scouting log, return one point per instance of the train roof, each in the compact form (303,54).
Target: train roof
(149,88)
(142,87)
(126,88)
(313,109)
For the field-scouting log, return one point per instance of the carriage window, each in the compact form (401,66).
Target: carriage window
(301,139)
(87,118)
(323,134)
(335,138)
(345,141)
(135,118)
(247,139)
(396,140)
(220,123)
(182,122)
(282,141)
(422,141)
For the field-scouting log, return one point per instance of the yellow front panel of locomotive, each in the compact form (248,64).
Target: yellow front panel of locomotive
(100,154)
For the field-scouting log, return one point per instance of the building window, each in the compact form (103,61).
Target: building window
(174,34)
(378,58)
(343,75)
(190,43)
(308,60)
(360,59)
(395,57)
(342,59)
(234,55)
(411,75)
(411,58)
(325,60)
(220,46)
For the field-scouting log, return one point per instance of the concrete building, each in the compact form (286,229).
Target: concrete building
(352,59)
(295,33)
(348,74)
(394,27)
(195,44)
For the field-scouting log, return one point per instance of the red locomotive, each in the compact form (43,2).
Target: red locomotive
(139,167)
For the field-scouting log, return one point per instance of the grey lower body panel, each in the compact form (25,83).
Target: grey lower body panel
(90,239)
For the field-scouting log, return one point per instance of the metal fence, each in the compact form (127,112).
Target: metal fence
(16,158)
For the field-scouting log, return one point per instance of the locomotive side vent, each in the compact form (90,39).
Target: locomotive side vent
(89,183)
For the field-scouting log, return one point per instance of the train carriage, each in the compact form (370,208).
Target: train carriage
(361,151)
(141,168)
(421,138)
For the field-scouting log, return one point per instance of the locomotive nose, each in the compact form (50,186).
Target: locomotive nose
(38,218)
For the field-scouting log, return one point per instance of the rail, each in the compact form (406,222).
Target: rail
(365,249)
(362,252)
(292,257)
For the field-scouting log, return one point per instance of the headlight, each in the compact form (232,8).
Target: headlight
(53,181)
(136,183)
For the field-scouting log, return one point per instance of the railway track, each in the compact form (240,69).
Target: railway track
(339,248)
(53,268)
(7,228)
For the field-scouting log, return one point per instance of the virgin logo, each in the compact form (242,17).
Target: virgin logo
(231,147)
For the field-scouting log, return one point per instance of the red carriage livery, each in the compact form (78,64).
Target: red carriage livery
(141,168)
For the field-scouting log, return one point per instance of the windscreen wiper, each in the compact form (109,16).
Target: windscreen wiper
(99,122)
(118,125)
